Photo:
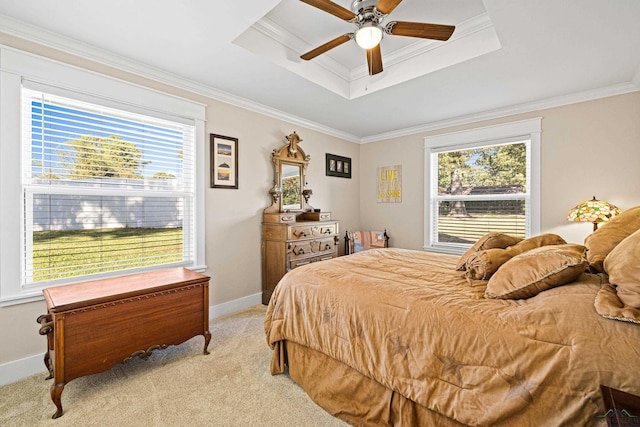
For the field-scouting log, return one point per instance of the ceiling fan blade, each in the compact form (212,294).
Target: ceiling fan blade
(387,6)
(374,60)
(419,29)
(325,47)
(332,8)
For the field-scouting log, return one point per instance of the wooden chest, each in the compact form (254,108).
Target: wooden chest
(93,326)
(286,246)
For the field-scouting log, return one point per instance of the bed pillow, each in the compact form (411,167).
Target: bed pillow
(483,264)
(623,267)
(488,241)
(604,239)
(537,270)
(608,304)
(536,242)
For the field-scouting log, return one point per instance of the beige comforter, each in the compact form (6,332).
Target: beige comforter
(411,322)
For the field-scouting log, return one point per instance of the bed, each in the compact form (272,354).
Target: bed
(402,337)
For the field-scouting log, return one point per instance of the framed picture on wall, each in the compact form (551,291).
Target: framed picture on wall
(338,166)
(224,161)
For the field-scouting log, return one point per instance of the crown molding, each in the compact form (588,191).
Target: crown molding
(619,89)
(74,47)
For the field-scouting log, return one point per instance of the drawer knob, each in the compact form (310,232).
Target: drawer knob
(299,252)
(300,234)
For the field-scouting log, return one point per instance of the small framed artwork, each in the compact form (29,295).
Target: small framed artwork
(338,166)
(224,161)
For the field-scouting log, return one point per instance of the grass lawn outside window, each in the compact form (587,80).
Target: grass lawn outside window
(58,254)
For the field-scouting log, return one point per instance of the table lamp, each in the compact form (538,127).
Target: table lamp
(594,211)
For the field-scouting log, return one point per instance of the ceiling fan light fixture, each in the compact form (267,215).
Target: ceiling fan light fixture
(369,35)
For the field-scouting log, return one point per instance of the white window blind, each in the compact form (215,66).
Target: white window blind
(104,189)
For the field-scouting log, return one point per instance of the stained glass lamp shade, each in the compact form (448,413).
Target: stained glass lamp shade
(594,211)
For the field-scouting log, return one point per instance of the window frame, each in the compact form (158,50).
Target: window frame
(18,67)
(529,129)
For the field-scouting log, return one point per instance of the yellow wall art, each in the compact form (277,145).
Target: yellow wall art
(390,184)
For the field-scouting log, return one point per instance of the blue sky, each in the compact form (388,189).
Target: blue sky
(52,125)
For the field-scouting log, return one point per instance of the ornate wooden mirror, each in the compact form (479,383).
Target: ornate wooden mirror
(289,192)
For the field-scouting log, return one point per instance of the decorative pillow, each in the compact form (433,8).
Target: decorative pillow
(608,305)
(536,242)
(604,239)
(623,267)
(488,241)
(481,265)
(537,270)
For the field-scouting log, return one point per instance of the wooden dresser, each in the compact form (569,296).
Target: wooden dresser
(290,240)
(93,326)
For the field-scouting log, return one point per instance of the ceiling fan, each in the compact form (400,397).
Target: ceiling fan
(368,16)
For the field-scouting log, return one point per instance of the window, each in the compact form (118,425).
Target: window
(99,177)
(104,189)
(479,181)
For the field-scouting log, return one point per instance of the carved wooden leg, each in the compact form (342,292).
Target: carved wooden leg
(56,396)
(207,340)
(47,363)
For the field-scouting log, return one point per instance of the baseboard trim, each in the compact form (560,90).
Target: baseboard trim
(22,368)
(229,307)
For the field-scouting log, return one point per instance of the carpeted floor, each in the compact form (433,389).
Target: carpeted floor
(178,386)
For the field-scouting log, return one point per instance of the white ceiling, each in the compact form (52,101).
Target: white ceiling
(293,27)
(550,52)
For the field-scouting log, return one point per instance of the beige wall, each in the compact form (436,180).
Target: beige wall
(233,217)
(587,149)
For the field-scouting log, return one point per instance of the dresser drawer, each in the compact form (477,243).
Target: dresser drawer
(324,245)
(304,261)
(302,249)
(300,262)
(297,232)
(300,232)
(327,256)
(323,230)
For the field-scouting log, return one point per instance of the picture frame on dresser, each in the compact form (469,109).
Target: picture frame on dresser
(339,166)
(223,161)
